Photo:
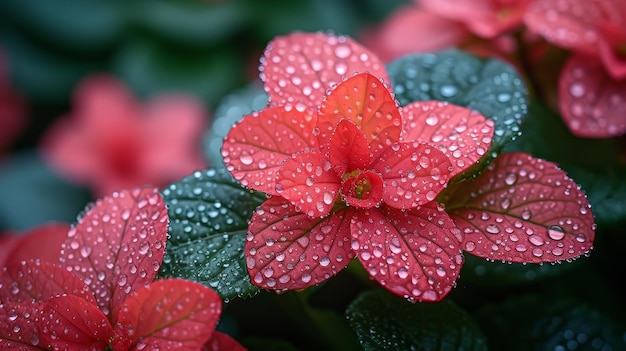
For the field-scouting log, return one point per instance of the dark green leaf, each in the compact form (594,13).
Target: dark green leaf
(197,23)
(553,322)
(491,87)
(209,215)
(480,272)
(386,322)
(231,109)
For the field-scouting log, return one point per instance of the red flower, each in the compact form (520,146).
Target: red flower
(111,142)
(102,295)
(349,173)
(595,31)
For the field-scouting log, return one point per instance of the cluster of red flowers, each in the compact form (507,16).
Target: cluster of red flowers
(592,83)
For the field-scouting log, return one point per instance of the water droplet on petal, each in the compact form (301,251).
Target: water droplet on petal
(555,232)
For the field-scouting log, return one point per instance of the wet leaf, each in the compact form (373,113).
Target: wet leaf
(256,147)
(549,322)
(301,67)
(231,110)
(42,242)
(492,87)
(72,323)
(591,102)
(18,329)
(34,280)
(385,322)
(118,244)
(414,254)
(463,135)
(209,215)
(170,314)
(222,341)
(523,209)
(286,249)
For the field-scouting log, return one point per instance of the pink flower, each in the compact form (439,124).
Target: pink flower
(592,86)
(485,18)
(349,172)
(111,141)
(101,293)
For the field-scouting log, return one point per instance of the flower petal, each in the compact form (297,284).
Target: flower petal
(308,181)
(118,245)
(523,209)
(256,147)
(411,29)
(571,24)
(348,149)
(591,103)
(413,174)
(43,243)
(300,67)
(69,322)
(463,135)
(415,254)
(222,342)
(39,281)
(286,249)
(18,327)
(366,101)
(169,314)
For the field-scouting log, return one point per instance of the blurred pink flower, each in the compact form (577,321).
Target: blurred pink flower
(485,18)
(111,141)
(13,109)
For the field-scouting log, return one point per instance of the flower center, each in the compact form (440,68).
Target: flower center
(362,189)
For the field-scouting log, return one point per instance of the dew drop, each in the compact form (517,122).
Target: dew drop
(555,232)
(246,159)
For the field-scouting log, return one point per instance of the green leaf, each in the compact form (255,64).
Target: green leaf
(209,215)
(191,23)
(553,322)
(481,272)
(386,322)
(230,110)
(491,87)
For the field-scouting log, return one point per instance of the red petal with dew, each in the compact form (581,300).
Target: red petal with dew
(257,146)
(118,245)
(523,209)
(309,182)
(71,323)
(366,101)
(348,149)
(463,135)
(415,254)
(170,314)
(571,24)
(410,30)
(40,281)
(286,249)
(43,243)
(222,342)
(300,67)
(7,243)
(591,102)
(18,326)
(413,174)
